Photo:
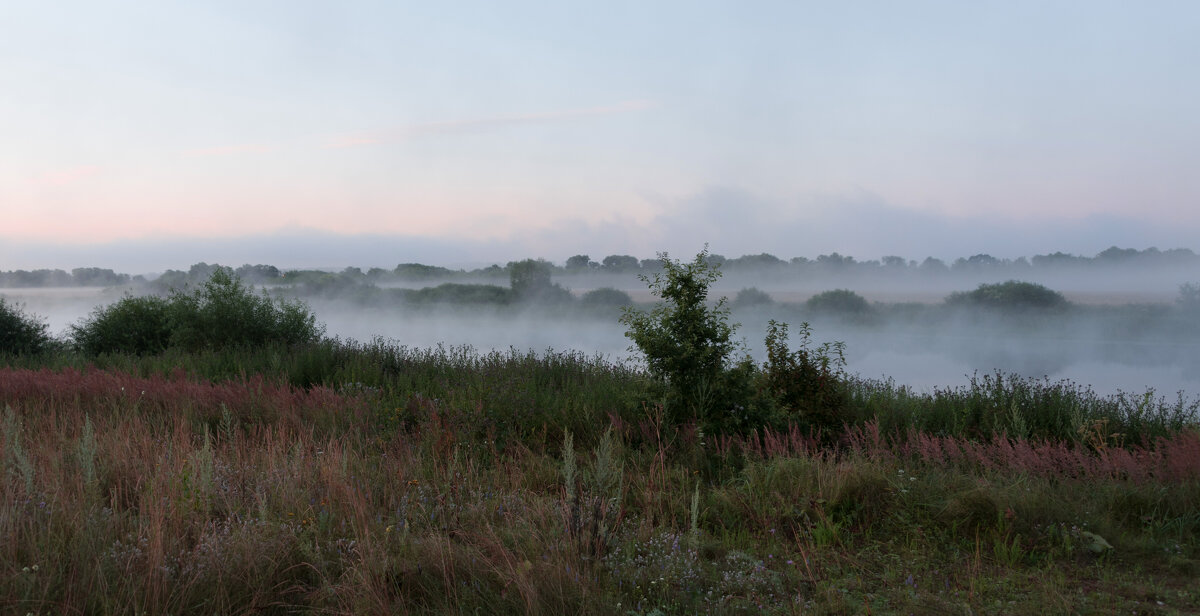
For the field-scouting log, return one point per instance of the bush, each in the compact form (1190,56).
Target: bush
(687,343)
(752,296)
(134,325)
(1011,295)
(222,313)
(839,301)
(808,384)
(456,293)
(21,334)
(607,297)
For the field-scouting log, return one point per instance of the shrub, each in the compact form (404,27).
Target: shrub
(839,301)
(752,296)
(606,296)
(1011,295)
(687,343)
(135,325)
(222,313)
(808,384)
(456,293)
(21,333)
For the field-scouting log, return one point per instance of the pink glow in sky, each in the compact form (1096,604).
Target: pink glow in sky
(552,127)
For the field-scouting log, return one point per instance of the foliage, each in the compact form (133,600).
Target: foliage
(456,293)
(21,333)
(1189,297)
(687,343)
(1010,295)
(222,312)
(750,297)
(136,325)
(808,383)
(606,296)
(530,280)
(839,301)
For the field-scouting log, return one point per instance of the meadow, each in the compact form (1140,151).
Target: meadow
(305,474)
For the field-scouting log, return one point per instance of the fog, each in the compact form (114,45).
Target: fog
(1124,330)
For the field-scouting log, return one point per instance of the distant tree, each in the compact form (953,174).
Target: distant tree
(759,261)
(620,264)
(258,273)
(1189,297)
(933,265)
(651,265)
(1058,259)
(894,262)
(97,277)
(528,277)
(420,271)
(976,262)
(834,260)
(579,263)
(1113,254)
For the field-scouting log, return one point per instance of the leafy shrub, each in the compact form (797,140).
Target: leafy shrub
(21,333)
(808,384)
(752,296)
(455,293)
(606,296)
(134,325)
(1011,295)
(839,301)
(222,313)
(687,343)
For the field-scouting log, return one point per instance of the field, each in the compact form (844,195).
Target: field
(369,478)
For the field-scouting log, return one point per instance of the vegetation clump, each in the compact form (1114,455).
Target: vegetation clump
(838,301)
(21,333)
(1010,295)
(687,344)
(223,312)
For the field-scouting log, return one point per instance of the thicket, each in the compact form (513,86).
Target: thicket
(1010,295)
(222,312)
(708,378)
(21,333)
(840,302)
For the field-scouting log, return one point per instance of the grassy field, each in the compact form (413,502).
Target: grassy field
(369,478)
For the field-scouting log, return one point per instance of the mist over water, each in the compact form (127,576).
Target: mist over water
(1116,337)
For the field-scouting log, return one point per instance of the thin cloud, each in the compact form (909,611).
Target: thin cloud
(452,126)
(228,150)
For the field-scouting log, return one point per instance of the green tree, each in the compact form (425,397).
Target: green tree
(687,343)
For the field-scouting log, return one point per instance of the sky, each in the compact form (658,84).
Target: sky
(145,136)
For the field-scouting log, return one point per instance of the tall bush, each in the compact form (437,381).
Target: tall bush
(223,312)
(133,325)
(21,333)
(687,343)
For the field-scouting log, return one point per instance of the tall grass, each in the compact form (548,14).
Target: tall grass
(372,478)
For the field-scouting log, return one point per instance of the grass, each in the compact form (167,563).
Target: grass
(369,478)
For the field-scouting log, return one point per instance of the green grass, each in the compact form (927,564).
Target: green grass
(369,478)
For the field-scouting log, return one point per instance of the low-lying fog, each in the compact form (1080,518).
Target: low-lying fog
(1104,344)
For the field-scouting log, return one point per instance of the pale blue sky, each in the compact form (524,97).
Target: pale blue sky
(514,129)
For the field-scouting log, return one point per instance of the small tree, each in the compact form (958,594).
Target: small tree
(687,343)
